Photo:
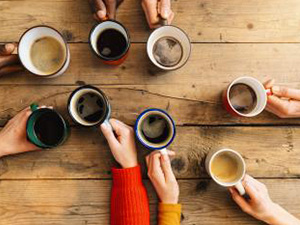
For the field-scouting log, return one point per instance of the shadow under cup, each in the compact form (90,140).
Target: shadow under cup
(32,36)
(155,129)
(89,106)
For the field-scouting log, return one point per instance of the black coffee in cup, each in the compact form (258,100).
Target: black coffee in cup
(242,98)
(167,51)
(90,107)
(155,129)
(49,128)
(111,43)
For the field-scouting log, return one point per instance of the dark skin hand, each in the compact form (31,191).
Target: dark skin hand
(104,9)
(9,63)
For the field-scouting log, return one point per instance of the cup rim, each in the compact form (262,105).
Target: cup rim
(140,139)
(235,81)
(189,54)
(45,146)
(66,45)
(117,57)
(224,184)
(107,110)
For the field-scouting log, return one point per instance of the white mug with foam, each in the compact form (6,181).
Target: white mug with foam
(29,38)
(241,170)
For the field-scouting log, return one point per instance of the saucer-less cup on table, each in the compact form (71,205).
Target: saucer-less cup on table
(110,42)
(44,52)
(168,47)
(227,168)
(245,97)
(155,129)
(89,106)
(46,128)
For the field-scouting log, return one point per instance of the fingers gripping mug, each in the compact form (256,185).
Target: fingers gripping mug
(89,106)
(168,47)
(46,128)
(155,129)
(245,97)
(44,52)
(227,168)
(110,41)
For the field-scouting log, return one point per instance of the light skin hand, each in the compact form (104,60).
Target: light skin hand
(122,143)
(9,63)
(104,9)
(155,10)
(284,102)
(162,177)
(13,137)
(260,204)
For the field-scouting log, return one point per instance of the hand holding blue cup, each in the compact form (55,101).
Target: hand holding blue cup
(155,129)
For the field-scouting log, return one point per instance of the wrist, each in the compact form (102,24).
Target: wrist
(278,216)
(129,164)
(172,200)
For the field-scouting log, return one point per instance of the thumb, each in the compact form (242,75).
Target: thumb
(166,167)
(109,135)
(7,49)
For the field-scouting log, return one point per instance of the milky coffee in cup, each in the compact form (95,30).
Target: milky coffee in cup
(47,55)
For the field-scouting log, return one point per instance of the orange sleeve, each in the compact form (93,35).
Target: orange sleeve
(169,214)
(129,200)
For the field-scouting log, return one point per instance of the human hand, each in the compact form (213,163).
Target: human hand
(155,10)
(284,102)
(9,63)
(162,177)
(103,9)
(123,146)
(13,138)
(260,204)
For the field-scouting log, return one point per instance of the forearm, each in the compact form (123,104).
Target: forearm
(169,214)
(282,217)
(129,201)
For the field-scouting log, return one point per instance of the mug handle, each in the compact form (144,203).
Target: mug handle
(107,123)
(163,151)
(34,107)
(240,188)
(163,22)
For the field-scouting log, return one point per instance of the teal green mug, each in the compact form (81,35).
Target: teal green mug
(46,128)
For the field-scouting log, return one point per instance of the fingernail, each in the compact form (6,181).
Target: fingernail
(104,125)
(275,89)
(165,13)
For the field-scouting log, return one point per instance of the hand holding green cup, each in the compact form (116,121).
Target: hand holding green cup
(46,128)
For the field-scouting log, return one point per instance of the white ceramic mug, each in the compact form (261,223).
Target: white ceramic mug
(27,40)
(172,32)
(237,183)
(75,98)
(257,87)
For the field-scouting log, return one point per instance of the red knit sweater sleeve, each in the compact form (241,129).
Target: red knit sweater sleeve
(129,201)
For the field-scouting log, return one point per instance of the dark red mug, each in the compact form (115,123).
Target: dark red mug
(259,90)
(95,35)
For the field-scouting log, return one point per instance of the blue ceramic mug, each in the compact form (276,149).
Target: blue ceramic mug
(155,129)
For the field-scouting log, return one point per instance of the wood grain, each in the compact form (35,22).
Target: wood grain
(87,202)
(268,151)
(210,68)
(128,101)
(203,20)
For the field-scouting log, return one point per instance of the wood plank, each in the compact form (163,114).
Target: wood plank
(204,21)
(210,68)
(87,202)
(185,111)
(268,151)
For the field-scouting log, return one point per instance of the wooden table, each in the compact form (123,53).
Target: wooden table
(71,184)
